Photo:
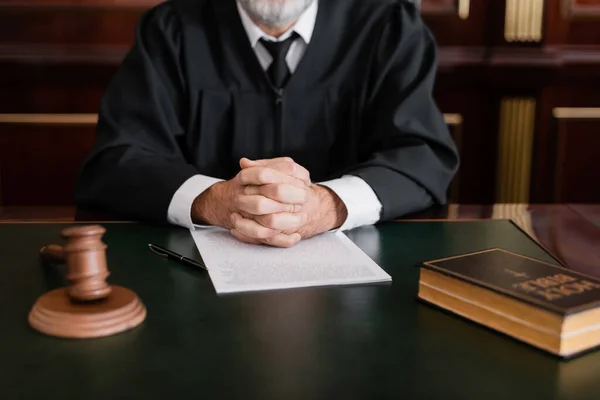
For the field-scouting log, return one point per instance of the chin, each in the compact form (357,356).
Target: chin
(275,12)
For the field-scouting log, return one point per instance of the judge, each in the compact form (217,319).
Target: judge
(275,119)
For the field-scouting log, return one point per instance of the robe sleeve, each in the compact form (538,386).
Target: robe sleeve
(410,155)
(136,164)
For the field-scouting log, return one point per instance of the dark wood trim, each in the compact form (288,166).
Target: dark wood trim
(112,55)
(559,156)
(549,56)
(37,214)
(446,7)
(108,55)
(458,56)
(49,119)
(1,195)
(573,10)
(449,56)
(78,5)
(572,23)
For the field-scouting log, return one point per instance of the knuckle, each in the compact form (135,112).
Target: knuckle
(266,190)
(263,175)
(250,190)
(257,206)
(306,175)
(290,166)
(238,202)
(243,175)
(279,191)
(304,196)
(262,206)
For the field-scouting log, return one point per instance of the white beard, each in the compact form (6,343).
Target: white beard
(275,13)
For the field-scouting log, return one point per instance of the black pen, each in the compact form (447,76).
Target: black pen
(161,251)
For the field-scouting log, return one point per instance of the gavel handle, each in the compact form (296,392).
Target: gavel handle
(53,253)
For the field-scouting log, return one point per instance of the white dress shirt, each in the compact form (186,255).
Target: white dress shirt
(364,208)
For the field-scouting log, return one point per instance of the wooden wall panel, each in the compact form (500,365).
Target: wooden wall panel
(50,98)
(573,22)
(553,129)
(70,22)
(576,172)
(581,8)
(39,162)
(67,26)
(457,22)
(475,141)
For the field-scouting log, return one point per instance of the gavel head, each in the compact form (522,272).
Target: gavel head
(86,263)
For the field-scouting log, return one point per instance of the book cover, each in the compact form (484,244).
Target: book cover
(554,288)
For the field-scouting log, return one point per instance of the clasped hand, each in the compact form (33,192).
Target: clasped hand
(273,202)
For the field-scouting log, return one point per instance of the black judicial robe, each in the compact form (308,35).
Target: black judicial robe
(191,97)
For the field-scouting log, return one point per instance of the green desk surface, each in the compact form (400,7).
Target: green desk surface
(321,343)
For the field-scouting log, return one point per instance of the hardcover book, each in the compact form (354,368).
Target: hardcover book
(544,305)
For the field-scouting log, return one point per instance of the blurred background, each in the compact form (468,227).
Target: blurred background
(518,82)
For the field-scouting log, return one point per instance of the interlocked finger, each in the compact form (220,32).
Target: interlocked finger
(260,205)
(265,176)
(282,221)
(283,193)
(249,227)
(283,240)
(282,164)
(280,240)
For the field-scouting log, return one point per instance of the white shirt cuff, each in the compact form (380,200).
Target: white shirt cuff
(364,208)
(180,208)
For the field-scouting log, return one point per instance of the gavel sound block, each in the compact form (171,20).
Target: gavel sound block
(88,307)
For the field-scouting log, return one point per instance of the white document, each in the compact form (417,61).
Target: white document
(325,260)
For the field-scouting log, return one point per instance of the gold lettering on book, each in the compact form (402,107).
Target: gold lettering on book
(560,278)
(545,282)
(526,286)
(587,285)
(557,286)
(550,294)
(517,274)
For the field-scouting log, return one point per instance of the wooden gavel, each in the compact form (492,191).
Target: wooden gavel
(88,307)
(85,256)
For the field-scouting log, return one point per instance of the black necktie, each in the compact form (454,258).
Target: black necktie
(279,71)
